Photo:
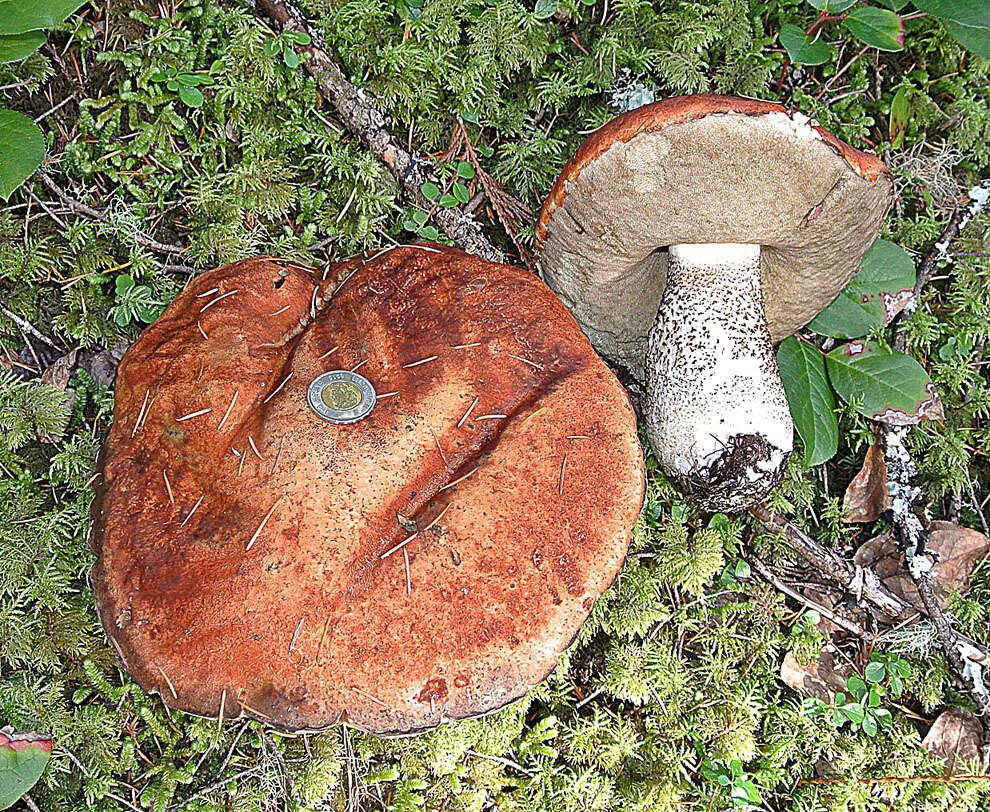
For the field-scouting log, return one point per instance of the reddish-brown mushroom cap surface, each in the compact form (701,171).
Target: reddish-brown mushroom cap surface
(686,237)
(243,542)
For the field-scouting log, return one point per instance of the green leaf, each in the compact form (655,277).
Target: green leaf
(877,293)
(853,712)
(810,398)
(123,283)
(465,170)
(290,57)
(971,37)
(191,96)
(23,757)
(18,16)
(545,9)
(831,6)
(874,672)
(883,384)
(856,686)
(876,27)
(447,201)
(752,794)
(430,190)
(743,570)
(869,725)
(801,48)
(429,233)
(23,151)
(974,13)
(460,191)
(299,37)
(14,47)
(272,47)
(900,110)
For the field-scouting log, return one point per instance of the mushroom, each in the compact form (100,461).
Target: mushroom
(686,237)
(424,560)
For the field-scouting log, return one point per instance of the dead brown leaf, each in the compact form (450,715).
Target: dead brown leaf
(959,551)
(819,679)
(867,497)
(955,736)
(57,374)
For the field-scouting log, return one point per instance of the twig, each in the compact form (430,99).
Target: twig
(911,529)
(909,506)
(216,785)
(854,578)
(27,327)
(767,575)
(89,211)
(357,110)
(939,254)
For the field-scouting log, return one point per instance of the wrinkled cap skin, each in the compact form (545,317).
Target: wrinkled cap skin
(706,169)
(257,583)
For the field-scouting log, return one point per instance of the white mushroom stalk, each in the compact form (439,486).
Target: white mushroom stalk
(716,413)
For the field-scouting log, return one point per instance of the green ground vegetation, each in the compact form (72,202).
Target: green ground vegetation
(187,121)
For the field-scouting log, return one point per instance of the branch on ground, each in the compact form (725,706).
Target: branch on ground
(356,109)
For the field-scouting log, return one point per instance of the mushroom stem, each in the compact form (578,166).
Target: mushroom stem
(716,413)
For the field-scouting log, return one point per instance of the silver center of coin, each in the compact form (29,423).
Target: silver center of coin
(341,396)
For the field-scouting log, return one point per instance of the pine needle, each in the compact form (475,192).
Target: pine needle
(261,526)
(278,389)
(230,408)
(421,361)
(191,415)
(191,512)
(461,479)
(467,413)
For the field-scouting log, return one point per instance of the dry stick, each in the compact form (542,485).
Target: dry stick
(89,211)
(767,574)
(859,580)
(911,529)
(356,109)
(910,506)
(939,253)
(27,327)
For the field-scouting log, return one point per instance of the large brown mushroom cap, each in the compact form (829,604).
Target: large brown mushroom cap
(256,583)
(706,169)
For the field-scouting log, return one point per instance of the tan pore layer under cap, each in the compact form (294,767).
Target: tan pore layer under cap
(259,582)
(706,169)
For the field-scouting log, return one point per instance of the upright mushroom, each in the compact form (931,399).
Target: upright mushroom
(688,235)
(389,498)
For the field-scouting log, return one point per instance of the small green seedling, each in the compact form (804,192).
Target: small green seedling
(285,43)
(136,302)
(859,705)
(731,775)
(184,83)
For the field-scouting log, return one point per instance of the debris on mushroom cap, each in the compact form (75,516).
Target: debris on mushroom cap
(395,572)
(706,169)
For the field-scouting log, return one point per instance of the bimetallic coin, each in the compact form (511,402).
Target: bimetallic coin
(341,396)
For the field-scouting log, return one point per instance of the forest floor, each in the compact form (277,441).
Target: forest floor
(184,135)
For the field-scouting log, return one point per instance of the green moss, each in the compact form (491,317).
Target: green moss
(679,660)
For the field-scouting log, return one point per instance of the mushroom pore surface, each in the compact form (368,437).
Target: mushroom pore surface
(428,562)
(716,413)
